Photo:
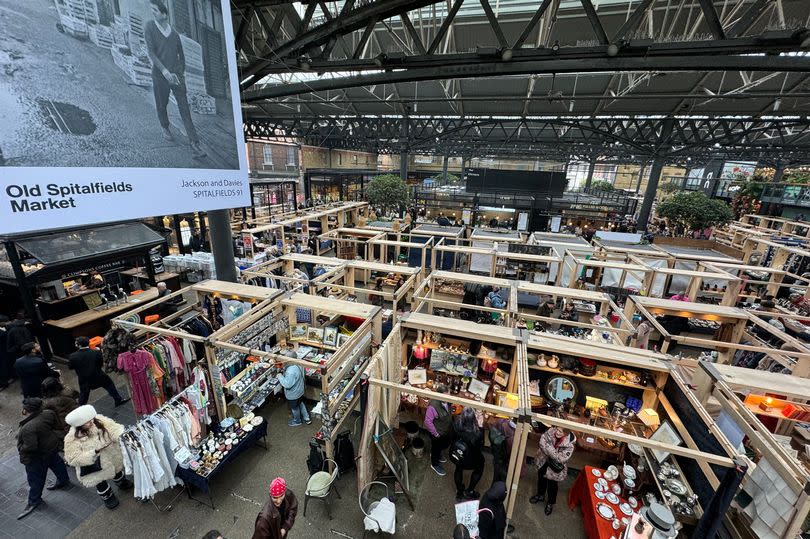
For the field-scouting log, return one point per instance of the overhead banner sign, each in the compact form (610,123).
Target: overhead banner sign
(118,110)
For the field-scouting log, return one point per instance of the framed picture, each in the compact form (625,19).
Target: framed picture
(478,388)
(330,335)
(315,334)
(501,377)
(417,376)
(666,434)
(342,339)
(298,332)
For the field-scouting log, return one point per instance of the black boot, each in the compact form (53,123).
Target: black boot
(107,495)
(548,509)
(125,483)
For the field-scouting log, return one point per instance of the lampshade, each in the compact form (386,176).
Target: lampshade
(420,352)
(489,365)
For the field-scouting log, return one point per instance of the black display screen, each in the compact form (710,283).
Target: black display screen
(488,180)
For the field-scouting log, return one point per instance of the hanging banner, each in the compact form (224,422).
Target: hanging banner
(118,110)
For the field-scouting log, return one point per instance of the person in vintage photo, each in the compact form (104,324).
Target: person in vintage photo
(118,84)
(168,68)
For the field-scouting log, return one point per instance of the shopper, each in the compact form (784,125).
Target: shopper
(91,446)
(501,436)
(88,366)
(466,451)
(461,532)
(38,445)
(277,516)
(17,336)
(292,380)
(32,370)
(165,50)
(492,513)
(7,373)
(555,449)
(61,401)
(439,423)
(377,299)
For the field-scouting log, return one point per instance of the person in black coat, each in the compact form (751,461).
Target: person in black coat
(32,370)
(492,513)
(6,360)
(38,443)
(18,335)
(87,363)
(468,432)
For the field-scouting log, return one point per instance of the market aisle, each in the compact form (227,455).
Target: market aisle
(63,510)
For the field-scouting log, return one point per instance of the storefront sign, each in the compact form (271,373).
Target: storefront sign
(115,137)
(247,243)
(106,267)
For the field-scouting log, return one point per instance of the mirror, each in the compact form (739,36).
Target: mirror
(560,388)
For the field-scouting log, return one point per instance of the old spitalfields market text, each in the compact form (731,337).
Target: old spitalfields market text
(35,198)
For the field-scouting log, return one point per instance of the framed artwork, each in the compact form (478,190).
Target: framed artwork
(315,334)
(342,339)
(666,434)
(417,376)
(330,335)
(501,377)
(298,332)
(478,388)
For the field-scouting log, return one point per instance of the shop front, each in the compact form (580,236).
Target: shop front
(72,283)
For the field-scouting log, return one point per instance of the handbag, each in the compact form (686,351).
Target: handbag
(555,465)
(458,451)
(91,468)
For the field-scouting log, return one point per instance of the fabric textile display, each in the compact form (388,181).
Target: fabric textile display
(150,448)
(773,501)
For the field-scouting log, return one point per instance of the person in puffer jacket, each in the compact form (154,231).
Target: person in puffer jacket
(91,446)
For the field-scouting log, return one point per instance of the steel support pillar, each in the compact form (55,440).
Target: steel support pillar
(444,167)
(649,193)
(589,179)
(403,165)
(463,169)
(641,176)
(219,224)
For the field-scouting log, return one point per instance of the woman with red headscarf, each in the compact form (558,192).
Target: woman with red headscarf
(277,517)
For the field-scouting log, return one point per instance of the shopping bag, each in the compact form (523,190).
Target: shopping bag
(467,514)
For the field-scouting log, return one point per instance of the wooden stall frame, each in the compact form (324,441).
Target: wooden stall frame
(720,382)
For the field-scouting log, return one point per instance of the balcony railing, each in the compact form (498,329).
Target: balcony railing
(788,195)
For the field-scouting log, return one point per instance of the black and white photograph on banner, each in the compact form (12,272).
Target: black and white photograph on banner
(118,83)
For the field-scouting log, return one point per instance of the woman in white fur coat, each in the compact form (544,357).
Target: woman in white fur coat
(91,446)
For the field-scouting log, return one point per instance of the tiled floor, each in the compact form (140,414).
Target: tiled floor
(62,511)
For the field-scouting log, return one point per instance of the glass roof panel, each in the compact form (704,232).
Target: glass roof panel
(63,247)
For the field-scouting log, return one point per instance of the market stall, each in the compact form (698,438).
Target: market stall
(71,283)
(399,249)
(332,340)
(292,271)
(716,332)
(351,243)
(483,367)
(197,314)
(776,504)
(614,276)
(431,234)
(593,312)
(516,260)
(466,296)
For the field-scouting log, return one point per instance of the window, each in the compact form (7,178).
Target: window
(267,153)
(354,159)
(291,156)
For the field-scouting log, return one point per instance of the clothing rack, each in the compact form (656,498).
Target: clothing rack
(170,505)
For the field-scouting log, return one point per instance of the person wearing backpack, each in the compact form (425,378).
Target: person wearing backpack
(466,452)
(439,423)
(501,436)
(554,451)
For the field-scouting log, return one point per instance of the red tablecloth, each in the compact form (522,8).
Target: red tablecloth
(582,494)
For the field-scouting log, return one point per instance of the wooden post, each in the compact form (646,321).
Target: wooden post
(515,468)
(777,263)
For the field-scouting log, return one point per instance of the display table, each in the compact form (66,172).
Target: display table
(582,494)
(193,479)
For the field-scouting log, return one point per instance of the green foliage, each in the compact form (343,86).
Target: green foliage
(797,176)
(387,192)
(602,185)
(450,178)
(694,210)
